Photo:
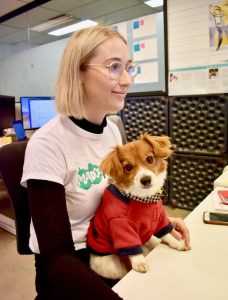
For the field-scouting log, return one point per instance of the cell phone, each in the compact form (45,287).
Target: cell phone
(215,218)
(19,130)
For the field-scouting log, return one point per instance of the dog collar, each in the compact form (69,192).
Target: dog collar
(152,199)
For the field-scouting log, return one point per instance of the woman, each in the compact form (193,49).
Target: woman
(65,185)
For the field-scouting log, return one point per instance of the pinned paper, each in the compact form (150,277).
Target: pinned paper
(141,22)
(139,71)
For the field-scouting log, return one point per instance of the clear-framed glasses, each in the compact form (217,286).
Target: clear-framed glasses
(116,69)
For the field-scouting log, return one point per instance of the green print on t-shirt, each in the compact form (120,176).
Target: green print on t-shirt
(86,178)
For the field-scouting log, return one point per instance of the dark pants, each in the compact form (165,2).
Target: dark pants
(44,287)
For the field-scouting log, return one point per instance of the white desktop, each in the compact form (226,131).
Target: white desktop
(201,273)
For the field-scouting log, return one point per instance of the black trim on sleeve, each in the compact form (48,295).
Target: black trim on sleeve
(164,231)
(130,250)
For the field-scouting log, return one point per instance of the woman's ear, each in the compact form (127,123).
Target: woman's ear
(111,165)
(160,144)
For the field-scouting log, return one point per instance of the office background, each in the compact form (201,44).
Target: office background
(28,66)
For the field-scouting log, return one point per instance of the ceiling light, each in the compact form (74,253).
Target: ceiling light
(154,3)
(53,22)
(72,28)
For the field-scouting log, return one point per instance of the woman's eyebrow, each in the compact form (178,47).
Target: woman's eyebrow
(116,59)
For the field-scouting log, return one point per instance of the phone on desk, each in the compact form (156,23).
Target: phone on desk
(215,218)
(19,130)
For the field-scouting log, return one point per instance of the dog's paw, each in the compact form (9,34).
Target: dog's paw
(139,263)
(174,243)
(181,246)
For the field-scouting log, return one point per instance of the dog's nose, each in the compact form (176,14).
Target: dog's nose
(145,180)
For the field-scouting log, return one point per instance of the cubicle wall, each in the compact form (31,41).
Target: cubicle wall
(146,114)
(197,126)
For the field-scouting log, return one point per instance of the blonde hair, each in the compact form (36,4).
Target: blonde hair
(77,53)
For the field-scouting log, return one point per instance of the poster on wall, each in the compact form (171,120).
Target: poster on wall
(145,37)
(210,77)
(218,78)
(188,80)
(218,26)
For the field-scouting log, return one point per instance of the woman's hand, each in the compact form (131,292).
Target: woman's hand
(180,231)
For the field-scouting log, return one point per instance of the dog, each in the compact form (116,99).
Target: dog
(131,220)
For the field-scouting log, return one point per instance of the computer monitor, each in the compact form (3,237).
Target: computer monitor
(37,111)
(7,112)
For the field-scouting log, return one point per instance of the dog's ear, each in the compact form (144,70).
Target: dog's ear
(111,165)
(160,144)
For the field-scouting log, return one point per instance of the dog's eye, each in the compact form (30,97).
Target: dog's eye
(128,167)
(149,159)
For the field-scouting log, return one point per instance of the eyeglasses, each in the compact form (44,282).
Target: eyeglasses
(116,69)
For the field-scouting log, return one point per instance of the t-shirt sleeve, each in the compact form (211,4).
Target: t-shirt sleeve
(43,160)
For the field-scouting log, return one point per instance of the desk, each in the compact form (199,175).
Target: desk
(201,273)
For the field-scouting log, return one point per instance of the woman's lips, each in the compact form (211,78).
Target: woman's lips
(121,94)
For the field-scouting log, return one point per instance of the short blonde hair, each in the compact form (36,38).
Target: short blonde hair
(77,53)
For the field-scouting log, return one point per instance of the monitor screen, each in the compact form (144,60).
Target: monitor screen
(7,112)
(37,111)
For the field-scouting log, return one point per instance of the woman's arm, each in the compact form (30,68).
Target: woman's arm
(67,272)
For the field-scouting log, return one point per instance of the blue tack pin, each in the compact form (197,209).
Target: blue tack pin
(32,65)
(139,71)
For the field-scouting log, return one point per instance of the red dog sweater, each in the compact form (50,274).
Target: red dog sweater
(121,225)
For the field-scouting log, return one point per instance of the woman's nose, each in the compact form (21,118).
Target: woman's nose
(125,79)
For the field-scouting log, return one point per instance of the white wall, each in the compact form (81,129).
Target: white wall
(188,33)
(6,50)
(31,72)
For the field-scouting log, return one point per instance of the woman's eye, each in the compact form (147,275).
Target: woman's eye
(115,68)
(150,159)
(130,70)
(128,167)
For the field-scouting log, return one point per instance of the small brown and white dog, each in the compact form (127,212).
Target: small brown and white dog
(131,220)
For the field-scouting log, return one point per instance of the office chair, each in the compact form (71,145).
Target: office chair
(118,122)
(11,166)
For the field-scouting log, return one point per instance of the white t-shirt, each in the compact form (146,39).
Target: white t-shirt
(62,152)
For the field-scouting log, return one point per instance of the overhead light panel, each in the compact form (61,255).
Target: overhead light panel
(154,3)
(53,22)
(72,28)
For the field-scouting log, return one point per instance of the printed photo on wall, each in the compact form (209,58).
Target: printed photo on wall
(218,26)
(172,77)
(212,73)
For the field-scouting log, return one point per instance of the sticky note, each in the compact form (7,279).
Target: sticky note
(141,22)
(115,27)
(143,45)
(136,47)
(139,71)
(136,25)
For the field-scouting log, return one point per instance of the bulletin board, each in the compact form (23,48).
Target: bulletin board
(145,37)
